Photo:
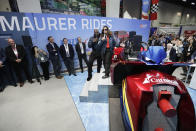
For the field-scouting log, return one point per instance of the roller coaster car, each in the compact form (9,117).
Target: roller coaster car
(151,98)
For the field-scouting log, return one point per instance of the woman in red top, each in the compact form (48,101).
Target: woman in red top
(106,44)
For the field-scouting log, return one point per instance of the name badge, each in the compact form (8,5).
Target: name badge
(42,58)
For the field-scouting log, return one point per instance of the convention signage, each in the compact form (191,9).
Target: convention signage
(39,26)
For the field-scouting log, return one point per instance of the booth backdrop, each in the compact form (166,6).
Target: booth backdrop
(34,28)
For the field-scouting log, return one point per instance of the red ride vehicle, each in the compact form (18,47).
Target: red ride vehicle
(151,98)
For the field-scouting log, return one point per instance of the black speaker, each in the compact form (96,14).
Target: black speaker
(131,34)
(27,41)
(137,39)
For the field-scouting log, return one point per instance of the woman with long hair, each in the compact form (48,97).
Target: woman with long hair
(106,44)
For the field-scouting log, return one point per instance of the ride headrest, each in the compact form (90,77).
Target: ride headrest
(155,55)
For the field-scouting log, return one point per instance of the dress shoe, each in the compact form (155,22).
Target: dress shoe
(46,79)
(21,84)
(2,89)
(30,81)
(59,77)
(183,74)
(89,78)
(69,74)
(82,71)
(15,85)
(74,74)
(105,76)
(38,80)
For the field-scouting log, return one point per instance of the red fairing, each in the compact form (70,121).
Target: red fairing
(117,52)
(139,94)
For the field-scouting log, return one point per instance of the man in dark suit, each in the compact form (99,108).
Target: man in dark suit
(16,56)
(53,50)
(92,43)
(67,53)
(2,71)
(81,51)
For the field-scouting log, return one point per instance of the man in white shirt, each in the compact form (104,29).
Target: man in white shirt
(81,51)
(53,51)
(16,56)
(67,53)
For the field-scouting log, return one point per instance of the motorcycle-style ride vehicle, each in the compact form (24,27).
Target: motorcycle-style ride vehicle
(151,98)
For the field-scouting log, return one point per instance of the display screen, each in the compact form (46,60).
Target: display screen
(82,7)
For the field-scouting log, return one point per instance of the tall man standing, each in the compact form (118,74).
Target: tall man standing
(67,53)
(92,43)
(2,75)
(81,51)
(16,56)
(53,50)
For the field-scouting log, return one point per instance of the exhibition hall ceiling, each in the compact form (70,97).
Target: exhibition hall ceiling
(185,3)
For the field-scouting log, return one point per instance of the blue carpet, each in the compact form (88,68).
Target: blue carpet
(95,116)
(192,93)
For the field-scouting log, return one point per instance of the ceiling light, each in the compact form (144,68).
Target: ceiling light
(184,0)
(192,3)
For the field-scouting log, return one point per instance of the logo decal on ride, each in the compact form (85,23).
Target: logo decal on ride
(156,79)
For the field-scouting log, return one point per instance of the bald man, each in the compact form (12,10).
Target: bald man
(16,56)
(81,52)
(92,43)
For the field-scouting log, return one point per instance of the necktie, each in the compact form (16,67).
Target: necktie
(67,51)
(82,50)
(15,52)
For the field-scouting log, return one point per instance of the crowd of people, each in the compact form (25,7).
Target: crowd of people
(102,44)
(178,49)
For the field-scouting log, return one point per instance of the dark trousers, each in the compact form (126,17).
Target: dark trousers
(3,74)
(45,69)
(18,68)
(92,58)
(35,71)
(107,60)
(6,77)
(69,63)
(80,61)
(56,65)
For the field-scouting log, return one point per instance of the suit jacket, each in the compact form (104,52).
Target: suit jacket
(12,57)
(63,51)
(2,55)
(102,45)
(173,55)
(51,51)
(78,50)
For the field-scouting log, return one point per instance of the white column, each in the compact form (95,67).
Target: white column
(132,9)
(112,8)
(5,6)
(29,6)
